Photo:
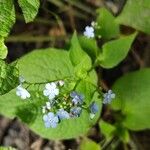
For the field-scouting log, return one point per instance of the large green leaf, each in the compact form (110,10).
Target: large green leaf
(29,9)
(46,65)
(8,77)
(79,58)
(106,21)
(7,16)
(115,51)
(132,98)
(42,66)
(3,49)
(136,14)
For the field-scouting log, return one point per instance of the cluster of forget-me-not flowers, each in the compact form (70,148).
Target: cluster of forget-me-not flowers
(62,106)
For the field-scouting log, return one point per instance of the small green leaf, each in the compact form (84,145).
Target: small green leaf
(115,51)
(3,49)
(123,134)
(88,144)
(107,129)
(136,14)
(29,9)
(45,66)
(8,77)
(89,46)
(108,27)
(80,59)
(7,16)
(132,98)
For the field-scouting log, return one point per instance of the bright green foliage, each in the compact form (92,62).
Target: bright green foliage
(7,148)
(3,49)
(7,19)
(79,58)
(136,14)
(7,16)
(115,51)
(107,129)
(8,77)
(48,65)
(132,98)
(29,9)
(89,46)
(88,144)
(108,27)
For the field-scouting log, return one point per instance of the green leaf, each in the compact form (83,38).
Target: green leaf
(7,16)
(8,77)
(132,98)
(115,51)
(6,148)
(89,46)
(107,129)
(136,14)
(80,59)
(123,134)
(3,49)
(88,144)
(108,27)
(29,9)
(110,131)
(48,65)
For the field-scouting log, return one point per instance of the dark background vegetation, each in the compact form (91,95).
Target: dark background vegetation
(53,27)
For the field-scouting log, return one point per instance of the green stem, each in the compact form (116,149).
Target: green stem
(41,83)
(27,38)
(109,142)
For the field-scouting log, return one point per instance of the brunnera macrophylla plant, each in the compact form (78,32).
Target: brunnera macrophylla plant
(64,95)
(55,92)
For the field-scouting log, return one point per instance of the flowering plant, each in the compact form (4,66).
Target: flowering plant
(56,92)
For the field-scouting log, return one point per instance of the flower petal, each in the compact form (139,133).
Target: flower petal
(46,92)
(50,115)
(51,96)
(54,125)
(47,124)
(45,118)
(56,91)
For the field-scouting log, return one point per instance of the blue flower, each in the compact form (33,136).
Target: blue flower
(77,98)
(62,114)
(108,97)
(51,90)
(76,111)
(89,32)
(93,108)
(50,120)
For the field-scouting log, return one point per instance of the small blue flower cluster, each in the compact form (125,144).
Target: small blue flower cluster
(61,105)
(66,106)
(108,97)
